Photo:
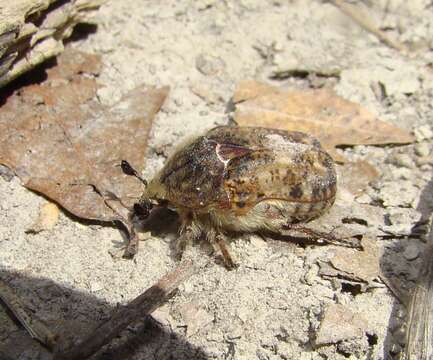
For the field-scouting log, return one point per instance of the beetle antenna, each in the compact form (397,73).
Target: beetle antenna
(129,170)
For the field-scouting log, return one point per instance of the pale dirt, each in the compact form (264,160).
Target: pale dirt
(272,305)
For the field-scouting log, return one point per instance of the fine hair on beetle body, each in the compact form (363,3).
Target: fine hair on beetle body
(242,180)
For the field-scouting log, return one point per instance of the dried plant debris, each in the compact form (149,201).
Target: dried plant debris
(47,219)
(314,112)
(63,143)
(348,220)
(356,176)
(32,31)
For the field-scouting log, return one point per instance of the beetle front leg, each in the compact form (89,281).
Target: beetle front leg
(325,237)
(184,241)
(220,240)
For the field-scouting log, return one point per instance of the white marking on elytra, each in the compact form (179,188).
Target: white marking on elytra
(220,157)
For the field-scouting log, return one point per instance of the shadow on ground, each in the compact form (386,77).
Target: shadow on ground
(403,274)
(73,314)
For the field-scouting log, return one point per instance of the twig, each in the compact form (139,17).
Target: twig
(138,308)
(31,323)
(401,296)
(419,336)
(355,13)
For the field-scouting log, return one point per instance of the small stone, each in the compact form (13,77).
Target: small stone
(6,173)
(205,4)
(162,316)
(423,132)
(311,275)
(364,199)
(243,313)
(401,160)
(338,324)
(400,335)
(400,221)
(411,252)
(47,218)
(406,190)
(195,317)
(209,65)
(258,242)
(234,332)
(403,173)
(422,149)
(96,286)
(425,160)
(187,288)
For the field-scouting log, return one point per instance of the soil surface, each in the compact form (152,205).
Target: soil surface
(275,305)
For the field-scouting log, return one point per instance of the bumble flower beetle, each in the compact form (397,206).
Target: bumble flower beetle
(242,179)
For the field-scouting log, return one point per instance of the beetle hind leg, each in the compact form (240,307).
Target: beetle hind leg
(319,236)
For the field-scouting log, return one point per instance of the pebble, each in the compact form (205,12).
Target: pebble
(411,252)
(6,173)
(425,160)
(194,317)
(311,275)
(209,65)
(340,323)
(423,132)
(422,149)
(400,335)
(96,286)
(401,160)
(258,242)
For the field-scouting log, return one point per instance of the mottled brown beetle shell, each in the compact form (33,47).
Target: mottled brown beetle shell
(236,168)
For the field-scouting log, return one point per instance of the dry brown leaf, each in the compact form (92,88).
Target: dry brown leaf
(332,119)
(63,143)
(47,219)
(356,176)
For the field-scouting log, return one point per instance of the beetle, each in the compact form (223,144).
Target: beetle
(241,179)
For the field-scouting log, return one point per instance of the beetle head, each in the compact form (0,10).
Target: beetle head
(141,210)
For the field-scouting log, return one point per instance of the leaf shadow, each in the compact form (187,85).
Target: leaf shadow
(73,313)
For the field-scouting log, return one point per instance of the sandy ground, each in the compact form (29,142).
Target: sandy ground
(272,305)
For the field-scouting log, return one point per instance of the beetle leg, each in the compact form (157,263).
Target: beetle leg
(326,237)
(224,248)
(132,247)
(183,241)
(189,231)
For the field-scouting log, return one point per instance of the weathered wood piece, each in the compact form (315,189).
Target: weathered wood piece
(138,308)
(32,31)
(34,326)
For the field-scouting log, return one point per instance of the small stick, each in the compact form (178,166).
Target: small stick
(354,13)
(397,292)
(419,335)
(138,308)
(31,323)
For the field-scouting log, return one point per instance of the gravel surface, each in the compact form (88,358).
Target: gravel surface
(275,305)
